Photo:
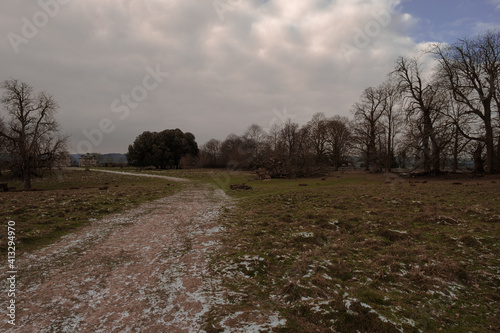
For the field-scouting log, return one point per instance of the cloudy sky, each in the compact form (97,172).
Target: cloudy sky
(121,67)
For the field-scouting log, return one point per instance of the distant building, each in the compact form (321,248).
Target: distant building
(62,161)
(87,161)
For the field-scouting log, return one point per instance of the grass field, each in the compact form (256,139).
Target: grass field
(68,199)
(357,252)
(352,252)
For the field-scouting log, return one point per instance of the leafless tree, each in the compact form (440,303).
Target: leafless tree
(423,98)
(338,137)
(367,113)
(303,160)
(318,136)
(272,140)
(3,148)
(254,137)
(212,150)
(392,120)
(471,67)
(234,153)
(459,119)
(289,138)
(31,130)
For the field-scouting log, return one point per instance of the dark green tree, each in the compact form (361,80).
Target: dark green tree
(161,149)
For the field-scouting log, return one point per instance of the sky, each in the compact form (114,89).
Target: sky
(118,68)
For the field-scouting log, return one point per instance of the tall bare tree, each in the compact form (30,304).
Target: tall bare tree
(317,136)
(31,130)
(460,120)
(367,113)
(338,136)
(471,67)
(254,137)
(392,120)
(424,99)
(212,150)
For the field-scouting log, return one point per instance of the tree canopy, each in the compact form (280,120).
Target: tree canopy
(161,149)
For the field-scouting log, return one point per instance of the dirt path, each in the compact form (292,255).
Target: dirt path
(174,179)
(145,270)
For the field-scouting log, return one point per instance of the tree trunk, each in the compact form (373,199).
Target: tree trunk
(373,149)
(478,159)
(498,154)
(425,142)
(367,158)
(27,179)
(426,152)
(436,157)
(388,166)
(490,146)
(335,158)
(431,158)
(455,150)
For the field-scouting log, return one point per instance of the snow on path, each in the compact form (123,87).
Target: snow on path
(145,270)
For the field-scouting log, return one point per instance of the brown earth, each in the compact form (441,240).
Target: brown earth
(146,270)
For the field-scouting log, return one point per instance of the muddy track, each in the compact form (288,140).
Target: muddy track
(145,270)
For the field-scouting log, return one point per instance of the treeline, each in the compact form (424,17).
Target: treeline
(427,120)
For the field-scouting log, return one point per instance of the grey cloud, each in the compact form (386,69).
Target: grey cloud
(225,74)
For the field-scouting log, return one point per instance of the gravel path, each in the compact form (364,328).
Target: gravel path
(174,179)
(145,270)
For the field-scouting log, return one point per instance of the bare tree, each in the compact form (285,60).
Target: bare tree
(212,150)
(303,160)
(233,152)
(391,122)
(31,131)
(338,138)
(3,147)
(367,114)
(289,139)
(459,119)
(272,140)
(423,98)
(317,136)
(497,103)
(471,67)
(254,137)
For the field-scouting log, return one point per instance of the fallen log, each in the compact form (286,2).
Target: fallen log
(240,187)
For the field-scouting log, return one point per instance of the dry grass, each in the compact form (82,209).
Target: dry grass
(367,253)
(66,200)
(353,253)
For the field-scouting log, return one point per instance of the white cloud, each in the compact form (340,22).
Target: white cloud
(225,74)
(495,3)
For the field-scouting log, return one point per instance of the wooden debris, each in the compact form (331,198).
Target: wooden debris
(242,186)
